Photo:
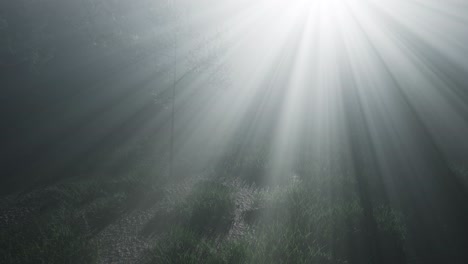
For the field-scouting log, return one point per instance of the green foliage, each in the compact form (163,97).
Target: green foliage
(391,221)
(298,223)
(300,227)
(182,245)
(66,217)
(69,195)
(211,208)
(52,238)
(302,222)
(250,167)
(105,210)
(208,210)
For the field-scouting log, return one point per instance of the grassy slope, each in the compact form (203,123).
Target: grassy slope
(210,221)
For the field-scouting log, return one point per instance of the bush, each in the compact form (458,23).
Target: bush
(210,208)
(105,210)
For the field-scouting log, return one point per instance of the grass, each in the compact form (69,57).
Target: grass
(52,238)
(64,219)
(211,209)
(315,219)
(291,224)
(208,210)
(182,245)
(300,227)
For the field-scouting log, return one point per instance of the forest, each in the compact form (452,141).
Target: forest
(234,131)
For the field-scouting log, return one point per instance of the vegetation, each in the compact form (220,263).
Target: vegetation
(291,224)
(295,223)
(51,238)
(62,220)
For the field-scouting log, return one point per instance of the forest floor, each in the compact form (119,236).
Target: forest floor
(199,219)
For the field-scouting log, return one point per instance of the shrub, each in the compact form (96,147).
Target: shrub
(210,208)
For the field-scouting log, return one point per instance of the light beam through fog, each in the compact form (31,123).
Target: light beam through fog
(294,65)
(339,125)
(376,87)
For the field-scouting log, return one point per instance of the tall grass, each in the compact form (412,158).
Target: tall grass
(51,238)
(298,223)
(64,219)
(316,219)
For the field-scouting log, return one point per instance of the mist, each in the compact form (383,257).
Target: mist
(203,131)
